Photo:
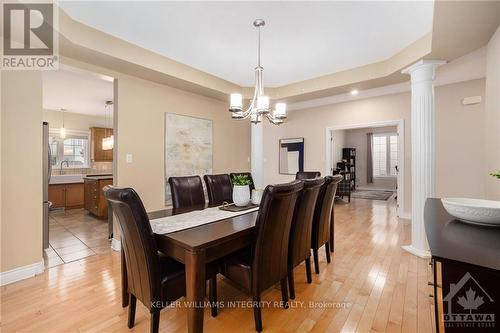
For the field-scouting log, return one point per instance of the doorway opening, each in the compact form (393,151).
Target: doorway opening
(370,156)
(79,135)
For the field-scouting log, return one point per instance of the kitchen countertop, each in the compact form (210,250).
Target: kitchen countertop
(76,178)
(450,238)
(98,177)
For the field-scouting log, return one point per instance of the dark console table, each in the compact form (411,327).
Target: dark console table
(466,269)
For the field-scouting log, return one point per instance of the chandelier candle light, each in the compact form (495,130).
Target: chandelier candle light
(259,105)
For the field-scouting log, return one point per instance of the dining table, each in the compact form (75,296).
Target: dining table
(195,247)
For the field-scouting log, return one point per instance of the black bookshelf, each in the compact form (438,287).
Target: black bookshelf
(347,167)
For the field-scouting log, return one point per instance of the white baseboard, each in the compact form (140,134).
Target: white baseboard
(116,245)
(21,273)
(367,188)
(405,215)
(417,252)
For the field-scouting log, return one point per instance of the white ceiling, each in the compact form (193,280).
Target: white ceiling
(76,91)
(301,40)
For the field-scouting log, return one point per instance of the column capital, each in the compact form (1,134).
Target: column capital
(421,64)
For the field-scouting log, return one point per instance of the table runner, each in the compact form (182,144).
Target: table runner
(165,225)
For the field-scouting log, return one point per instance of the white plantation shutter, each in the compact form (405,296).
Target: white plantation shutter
(393,142)
(379,155)
(385,154)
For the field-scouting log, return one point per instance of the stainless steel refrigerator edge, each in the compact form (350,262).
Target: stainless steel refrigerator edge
(47,170)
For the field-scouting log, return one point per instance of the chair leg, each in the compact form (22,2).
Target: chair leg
(284,292)
(308,270)
(125,294)
(291,283)
(131,310)
(316,261)
(155,321)
(327,248)
(257,313)
(213,296)
(332,229)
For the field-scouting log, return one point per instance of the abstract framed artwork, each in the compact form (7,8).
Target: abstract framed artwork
(291,156)
(188,148)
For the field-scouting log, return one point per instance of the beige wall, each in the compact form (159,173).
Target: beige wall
(452,121)
(141,132)
(459,141)
(492,116)
(21,139)
(357,138)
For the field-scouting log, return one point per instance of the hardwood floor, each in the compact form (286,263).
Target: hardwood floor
(372,285)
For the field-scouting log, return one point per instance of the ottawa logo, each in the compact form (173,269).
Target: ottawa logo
(468,305)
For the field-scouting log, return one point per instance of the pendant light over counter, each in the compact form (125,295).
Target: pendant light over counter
(107,141)
(62,131)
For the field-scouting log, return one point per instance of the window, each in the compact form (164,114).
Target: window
(385,154)
(74,148)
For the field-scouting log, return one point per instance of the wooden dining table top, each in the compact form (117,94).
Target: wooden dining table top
(208,234)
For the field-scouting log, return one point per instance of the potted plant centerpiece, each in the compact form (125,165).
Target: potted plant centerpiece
(241,190)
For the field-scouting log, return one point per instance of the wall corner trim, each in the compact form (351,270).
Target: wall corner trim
(21,273)
(116,245)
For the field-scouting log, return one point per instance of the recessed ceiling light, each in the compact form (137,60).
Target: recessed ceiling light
(354,92)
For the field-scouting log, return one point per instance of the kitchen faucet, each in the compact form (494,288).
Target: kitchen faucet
(61,166)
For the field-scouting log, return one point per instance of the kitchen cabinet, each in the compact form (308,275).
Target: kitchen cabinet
(95,202)
(68,196)
(57,195)
(466,271)
(74,196)
(97,154)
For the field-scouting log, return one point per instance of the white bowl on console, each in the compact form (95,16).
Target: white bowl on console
(475,211)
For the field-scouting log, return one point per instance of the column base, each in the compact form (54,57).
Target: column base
(417,252)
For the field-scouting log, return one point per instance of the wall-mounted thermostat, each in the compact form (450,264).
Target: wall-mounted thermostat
(472,100)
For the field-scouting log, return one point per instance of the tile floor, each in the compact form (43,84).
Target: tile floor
(74,235)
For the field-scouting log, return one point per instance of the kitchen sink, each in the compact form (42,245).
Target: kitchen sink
(66,179)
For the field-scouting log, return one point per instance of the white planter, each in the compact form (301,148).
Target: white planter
(257,196)
(241,195)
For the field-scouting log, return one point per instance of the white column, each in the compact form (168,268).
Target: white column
(257,154)
(423,167)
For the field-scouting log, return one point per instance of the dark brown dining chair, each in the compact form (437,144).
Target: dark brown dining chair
(153,278)
(252,185)
(219,189)
(186,191)
(322,218)
(265,263)
(299,246)
(307,175)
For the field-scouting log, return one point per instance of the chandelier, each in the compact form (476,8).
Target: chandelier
(259,105)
